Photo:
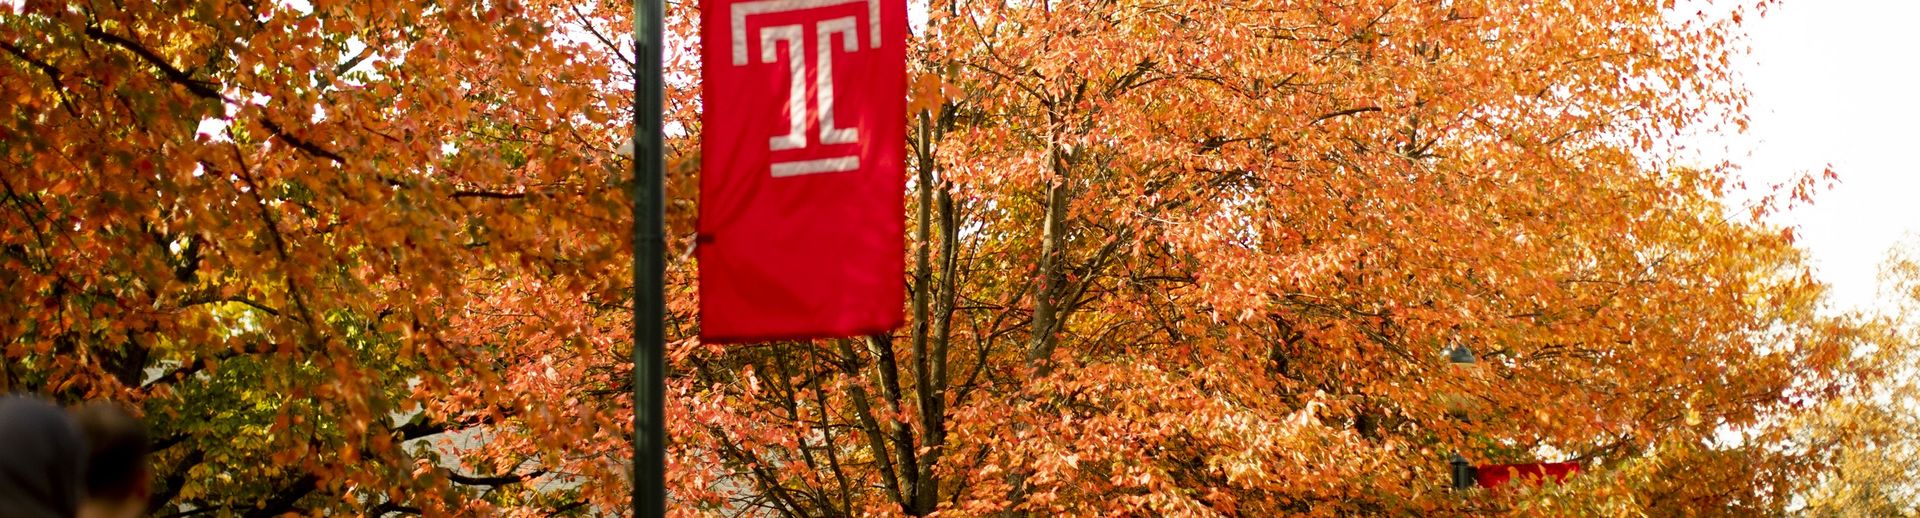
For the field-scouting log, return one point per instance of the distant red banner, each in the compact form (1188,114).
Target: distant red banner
(1496,475)
(803,148)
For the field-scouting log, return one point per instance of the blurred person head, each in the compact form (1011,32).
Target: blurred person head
(115,476)
(42,456)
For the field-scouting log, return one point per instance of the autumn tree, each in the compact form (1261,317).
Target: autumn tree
(1868,440)
(1168,258)
(305,239)
(1199,258)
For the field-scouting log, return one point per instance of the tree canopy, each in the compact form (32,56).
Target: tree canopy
(1166,258)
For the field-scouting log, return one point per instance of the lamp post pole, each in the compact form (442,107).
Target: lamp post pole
(1463,362)
(649,267)
(1463,472)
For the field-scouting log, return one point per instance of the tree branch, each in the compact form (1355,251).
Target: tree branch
(53,74)
(588,23)
(170,486)
(299,143)
(495,480)
(389,507)
(1343,113)
(201,88)
(342,68)
(206,89)
(489,195)
(270,310)
(283,501)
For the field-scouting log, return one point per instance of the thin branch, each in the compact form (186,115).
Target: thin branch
(489,195)
(389,507)
(188,369)
(567,507)
(270,310)
(299,143)
(342,68)
(170,486)
(1343,113)
(495,480)
(283,500)
(206,89)
(421,426)
(53,74)
(201,88)
(588,23)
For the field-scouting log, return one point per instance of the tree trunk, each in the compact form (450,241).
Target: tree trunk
(1052,243)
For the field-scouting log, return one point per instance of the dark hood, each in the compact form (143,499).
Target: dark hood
(41,454)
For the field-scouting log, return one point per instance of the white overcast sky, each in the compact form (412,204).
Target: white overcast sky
(1838,82)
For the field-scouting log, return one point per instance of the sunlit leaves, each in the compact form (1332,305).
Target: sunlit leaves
(242,214)
(369,257)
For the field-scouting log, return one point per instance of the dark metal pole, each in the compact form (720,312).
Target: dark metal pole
(1463,360)
(1463,473)
(649,268)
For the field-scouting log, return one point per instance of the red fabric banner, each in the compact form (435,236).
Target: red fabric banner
(1497,475)
(803,153)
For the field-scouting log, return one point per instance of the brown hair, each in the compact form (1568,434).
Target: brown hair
(116,450)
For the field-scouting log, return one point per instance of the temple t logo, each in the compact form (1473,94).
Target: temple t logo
(813,44)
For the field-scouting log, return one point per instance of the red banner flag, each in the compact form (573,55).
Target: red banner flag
(803,152)
(1498,475)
